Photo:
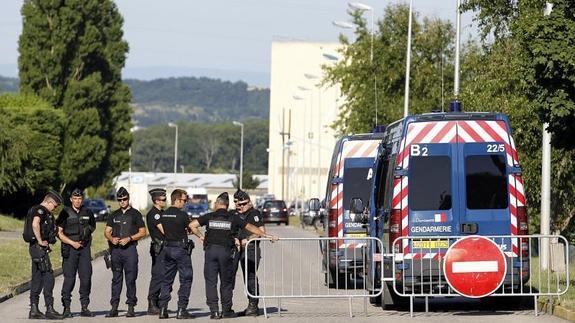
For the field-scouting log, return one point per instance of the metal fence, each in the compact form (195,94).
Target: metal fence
(308,268)
(420,272)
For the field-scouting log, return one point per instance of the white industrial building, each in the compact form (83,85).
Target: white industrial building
(139,183)
(299,162)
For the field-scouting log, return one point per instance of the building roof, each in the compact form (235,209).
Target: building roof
(186,179)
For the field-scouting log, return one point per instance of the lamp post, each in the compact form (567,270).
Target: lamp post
(408,62)
(173,125)
(241,125)
(300,181)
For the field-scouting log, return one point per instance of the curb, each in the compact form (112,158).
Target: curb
(25,286)
(556,310)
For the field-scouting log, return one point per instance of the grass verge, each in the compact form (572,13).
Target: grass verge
(548,281)
(15,267)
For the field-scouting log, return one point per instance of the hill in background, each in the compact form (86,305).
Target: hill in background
(195,99)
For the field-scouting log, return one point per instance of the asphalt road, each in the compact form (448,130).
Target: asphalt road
(300,275)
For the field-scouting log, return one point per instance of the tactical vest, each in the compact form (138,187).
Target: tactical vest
(73,228)
(219,230)
(123,226)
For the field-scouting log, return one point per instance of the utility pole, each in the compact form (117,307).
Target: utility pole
(283,133)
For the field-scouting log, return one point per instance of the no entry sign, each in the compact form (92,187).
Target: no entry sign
(474,266)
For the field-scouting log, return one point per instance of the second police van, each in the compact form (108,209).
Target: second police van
(443,174)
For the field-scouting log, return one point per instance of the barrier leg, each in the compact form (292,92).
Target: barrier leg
(365,306)
(280,306)
(350,309)
(535,303)
(426,304)
(265,308)
(411,306)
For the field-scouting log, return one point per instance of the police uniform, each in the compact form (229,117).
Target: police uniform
(124,224)
(42,273)
(177,258)
(156,247)
(78,225)
(218,257)
(253,254)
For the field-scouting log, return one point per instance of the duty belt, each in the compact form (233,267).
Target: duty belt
(180,244)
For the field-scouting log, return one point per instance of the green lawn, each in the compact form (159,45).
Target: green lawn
(546,281)
(14,258)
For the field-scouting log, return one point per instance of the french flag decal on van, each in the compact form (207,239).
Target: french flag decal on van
(440,217)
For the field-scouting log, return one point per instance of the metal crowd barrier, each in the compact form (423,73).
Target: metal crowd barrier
(300,268)
(418,268)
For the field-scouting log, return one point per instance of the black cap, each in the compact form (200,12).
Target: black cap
(122,192)
(241,195)
(156,193)
(55,196)
(77,192)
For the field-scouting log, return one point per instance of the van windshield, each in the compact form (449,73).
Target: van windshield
(430,183)
(357,184)
(485,182)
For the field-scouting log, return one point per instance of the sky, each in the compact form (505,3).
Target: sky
(227,39)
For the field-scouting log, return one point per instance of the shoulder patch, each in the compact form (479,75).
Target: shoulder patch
(257,218)
(157,216)
(40,211)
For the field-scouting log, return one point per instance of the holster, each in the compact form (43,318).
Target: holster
(156,247)
(190,246)
(65,250)
(108,259)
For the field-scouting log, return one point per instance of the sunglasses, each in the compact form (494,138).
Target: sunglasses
(162,200)
(242,204)
(122,199)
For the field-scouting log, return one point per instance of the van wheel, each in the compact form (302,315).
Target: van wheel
(316,224)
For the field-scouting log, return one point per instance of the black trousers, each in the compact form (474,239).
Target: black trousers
(218,261)
(157,275)
(76,261)
(124,265)
(176,260)
(253,263)
(42,275)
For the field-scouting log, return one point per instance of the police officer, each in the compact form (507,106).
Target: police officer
(177,250)
(124,228)
(75,227)
(156,247)
(219,254)
(41,231)
(252,216)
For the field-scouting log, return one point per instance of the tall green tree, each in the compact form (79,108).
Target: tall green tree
(364,82)
(71,55)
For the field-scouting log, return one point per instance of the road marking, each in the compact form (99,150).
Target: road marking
(474,267)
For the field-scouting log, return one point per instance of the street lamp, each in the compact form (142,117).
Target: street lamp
(173,125)
(408,62)
(343,24)
(241,125)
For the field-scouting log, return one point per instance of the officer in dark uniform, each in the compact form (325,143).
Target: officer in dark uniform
(248,213)
(75,227)
(41,232)
(177,250)
(124,228)
(156,247)
(219,253)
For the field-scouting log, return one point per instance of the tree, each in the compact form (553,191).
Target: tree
(432,51)
(209,148)
(249,182)
(71,55)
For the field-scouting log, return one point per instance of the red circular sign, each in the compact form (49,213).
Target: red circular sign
(474,266)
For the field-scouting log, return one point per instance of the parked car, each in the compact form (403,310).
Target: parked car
(312,217)
(98,207)
(275,212)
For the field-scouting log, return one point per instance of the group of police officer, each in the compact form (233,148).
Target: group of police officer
(224,242)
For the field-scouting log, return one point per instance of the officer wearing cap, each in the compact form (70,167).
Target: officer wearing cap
(218,257)
(124,228)
(156,247)
(41,231)
(248,213)
(75,227)
(175,224)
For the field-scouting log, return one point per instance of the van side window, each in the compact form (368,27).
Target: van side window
(486,182)
(430,183)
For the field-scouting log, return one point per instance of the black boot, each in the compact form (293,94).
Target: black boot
(228,314)
(215,315)
(130,312)
(86,312)
(67,313)
(183,314)
(153,309)
(35,313)
(51,313)
(113,312)
(164,312)
(252,309)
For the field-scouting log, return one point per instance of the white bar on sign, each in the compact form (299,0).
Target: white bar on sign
(474,267)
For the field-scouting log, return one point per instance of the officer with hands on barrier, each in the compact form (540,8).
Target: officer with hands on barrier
(248,213)
(174,224)
(75,227)
(40,232)
(156,247)
(124,228)
(219,245)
